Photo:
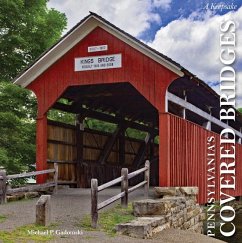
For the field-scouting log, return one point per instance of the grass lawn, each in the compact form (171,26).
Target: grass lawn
(24,234)
(2,218)
(108,219)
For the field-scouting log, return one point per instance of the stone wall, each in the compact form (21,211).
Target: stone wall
(174,207)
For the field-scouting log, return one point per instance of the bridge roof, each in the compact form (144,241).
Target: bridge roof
(201,95)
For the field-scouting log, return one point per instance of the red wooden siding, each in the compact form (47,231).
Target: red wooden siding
(183,145)
(183,157)
(41,146)
(149,77)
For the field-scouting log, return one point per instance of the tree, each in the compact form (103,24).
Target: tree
(17,128)
(27,28)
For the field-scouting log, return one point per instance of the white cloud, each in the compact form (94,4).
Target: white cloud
(134,16)
(194,43)
(165,4)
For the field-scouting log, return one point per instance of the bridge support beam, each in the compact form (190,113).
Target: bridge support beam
(164,150)
(41,147)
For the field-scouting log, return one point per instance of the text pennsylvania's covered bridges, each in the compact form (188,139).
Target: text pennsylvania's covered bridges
(98,71)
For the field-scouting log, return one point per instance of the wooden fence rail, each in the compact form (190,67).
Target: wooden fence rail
(4,178)
(125,190)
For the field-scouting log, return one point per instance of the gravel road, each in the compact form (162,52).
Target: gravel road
(70,205)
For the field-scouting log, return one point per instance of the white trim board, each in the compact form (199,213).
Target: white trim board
(177,100)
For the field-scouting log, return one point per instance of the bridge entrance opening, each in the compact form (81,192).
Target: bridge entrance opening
(95,130)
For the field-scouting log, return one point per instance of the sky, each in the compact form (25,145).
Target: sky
(187,31)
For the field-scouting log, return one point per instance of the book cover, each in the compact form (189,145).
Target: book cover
(131,101)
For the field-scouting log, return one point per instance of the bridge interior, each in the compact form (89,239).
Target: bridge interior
(129,135)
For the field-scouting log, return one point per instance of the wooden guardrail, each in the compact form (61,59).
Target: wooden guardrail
(125,190)
(4,178)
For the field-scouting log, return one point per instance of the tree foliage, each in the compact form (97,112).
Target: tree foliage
(27,28)
(17,128)
(62,116)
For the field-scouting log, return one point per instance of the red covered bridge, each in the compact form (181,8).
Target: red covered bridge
(98,71)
